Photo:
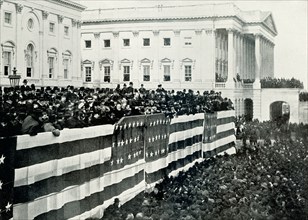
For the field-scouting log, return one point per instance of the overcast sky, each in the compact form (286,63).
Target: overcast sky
(291,22)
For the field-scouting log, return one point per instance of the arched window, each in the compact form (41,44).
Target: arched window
(29,59)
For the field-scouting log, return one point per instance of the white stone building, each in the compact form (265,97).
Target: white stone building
(178,46)
(39,39)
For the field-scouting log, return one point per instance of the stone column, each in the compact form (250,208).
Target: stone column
(59,73)
(97,76)
(44,61)
(197,77)
(156,70)
(116,77)
(176,72)
(257,59)
(230,82)
(20,59)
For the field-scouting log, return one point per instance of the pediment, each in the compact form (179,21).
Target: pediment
(166,60)
(87,62)
(125,61)
(145,60)
(187,60)
(269,22)
(105,61)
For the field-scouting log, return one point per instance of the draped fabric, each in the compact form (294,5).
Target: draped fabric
(79,174)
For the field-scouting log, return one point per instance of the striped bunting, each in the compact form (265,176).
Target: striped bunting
(79,174)
(52,172)
(184,148)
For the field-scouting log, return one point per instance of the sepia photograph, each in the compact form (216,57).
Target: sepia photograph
(154,110)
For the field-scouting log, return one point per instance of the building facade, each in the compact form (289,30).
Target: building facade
(39,39)
(198,46)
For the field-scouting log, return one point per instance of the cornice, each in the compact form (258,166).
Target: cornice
(71,4)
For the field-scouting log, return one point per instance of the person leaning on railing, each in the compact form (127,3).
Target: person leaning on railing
(72,107)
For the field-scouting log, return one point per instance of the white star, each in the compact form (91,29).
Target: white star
(151,154)
(126,141)
(151,124)
(157,121)
(120,128)
(1,183)
(119,144)
(135,139)
(141,123)
(160,121)
(150,140)
(129,156)
(130,140)
(156,137)
(153,139)
(121,160)
(122,143)
(134,124)
(137,124)
(113,144)
(146,154)
(125,125)
(8,207)
(111,163)
(159,136)
(140,152)
(2,159)
(156,152)
(162,151)
(118,161)
(129,125)
(138,138)
(154,123)
(134,155)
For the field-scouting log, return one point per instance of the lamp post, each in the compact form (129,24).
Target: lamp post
(14,78)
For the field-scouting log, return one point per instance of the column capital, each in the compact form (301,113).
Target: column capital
(45,14)
(258,35)
(1,2)
(156,32)
(60,18)
(115,34)
(231,30)
(79,24)
(74,22)
(136,33)
(209,31)
(97,35)
(19,8)
(198,32)
(177,32)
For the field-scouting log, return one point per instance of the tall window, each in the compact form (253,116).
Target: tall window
(106,73)
(51,27)
(7,62)
(146,73)
(167,41)
(126,73)
(7,18)
(51,68)
(65,68)
(187,73)
(126,42)
(88,73)
(146,41)
(106,43)
(166,72)
(29,58)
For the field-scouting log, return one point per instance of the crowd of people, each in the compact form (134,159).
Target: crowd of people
(261,182)
(303,97)
(29,110)
(281,83)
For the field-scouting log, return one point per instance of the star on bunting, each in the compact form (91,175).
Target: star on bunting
(129,156)
(2,159)
(8,207)
(1,183)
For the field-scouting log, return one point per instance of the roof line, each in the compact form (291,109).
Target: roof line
(72,4)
